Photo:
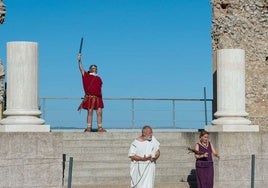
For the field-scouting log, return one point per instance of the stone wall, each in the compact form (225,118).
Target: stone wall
(36,159)
(31,160)
(244,24)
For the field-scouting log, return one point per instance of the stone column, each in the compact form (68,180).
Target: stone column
(230,115)
(22,113)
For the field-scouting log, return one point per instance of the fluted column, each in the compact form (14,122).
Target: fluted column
(231,114)
(22,113)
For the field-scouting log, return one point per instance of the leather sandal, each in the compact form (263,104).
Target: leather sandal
(100,129)
(88,129)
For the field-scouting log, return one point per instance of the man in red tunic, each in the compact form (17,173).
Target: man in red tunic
(92,85)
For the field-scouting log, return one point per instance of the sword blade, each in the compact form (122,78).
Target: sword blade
(81,45)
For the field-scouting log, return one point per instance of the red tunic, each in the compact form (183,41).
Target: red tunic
(93,92)
(92,84)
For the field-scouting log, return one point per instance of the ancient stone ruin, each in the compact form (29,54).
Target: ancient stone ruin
(244,24)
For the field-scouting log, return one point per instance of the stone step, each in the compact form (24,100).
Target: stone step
(110,148)
(117,143)
(121,171)
(114,157)
(124,180)
(129,136)
(157,185)
(122,164)
(102,148)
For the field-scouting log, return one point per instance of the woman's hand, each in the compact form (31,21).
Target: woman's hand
(217,155)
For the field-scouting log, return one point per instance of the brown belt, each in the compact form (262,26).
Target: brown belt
(91,96)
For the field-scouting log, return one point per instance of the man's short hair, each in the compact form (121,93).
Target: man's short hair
(203,132)
(91,66)
(146,127)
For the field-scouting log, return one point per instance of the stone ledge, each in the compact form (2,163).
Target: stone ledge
(232,128)
(24,128)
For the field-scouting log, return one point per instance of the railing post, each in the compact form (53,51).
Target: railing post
(132,113)
(63,167)
(174,113)
(70,172)
(205,103)
(252,170)
(44,108)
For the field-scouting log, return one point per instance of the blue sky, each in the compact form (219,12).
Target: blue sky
(143,48)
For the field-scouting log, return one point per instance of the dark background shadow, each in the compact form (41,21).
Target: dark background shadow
(191,179)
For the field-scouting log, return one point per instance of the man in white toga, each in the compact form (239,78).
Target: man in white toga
(143,152)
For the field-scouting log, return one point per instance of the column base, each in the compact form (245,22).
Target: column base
(231,121)
(24,128)
(232,128)
(22,120)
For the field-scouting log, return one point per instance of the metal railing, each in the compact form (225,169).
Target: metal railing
(60,112)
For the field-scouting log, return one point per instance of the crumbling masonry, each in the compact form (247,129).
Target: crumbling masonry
(244,24)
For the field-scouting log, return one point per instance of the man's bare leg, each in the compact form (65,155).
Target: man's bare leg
(89,120)
(99,120)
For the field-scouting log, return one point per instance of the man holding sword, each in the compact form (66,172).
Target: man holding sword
(92,85)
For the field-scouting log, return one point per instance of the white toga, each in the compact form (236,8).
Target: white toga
(143,172)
